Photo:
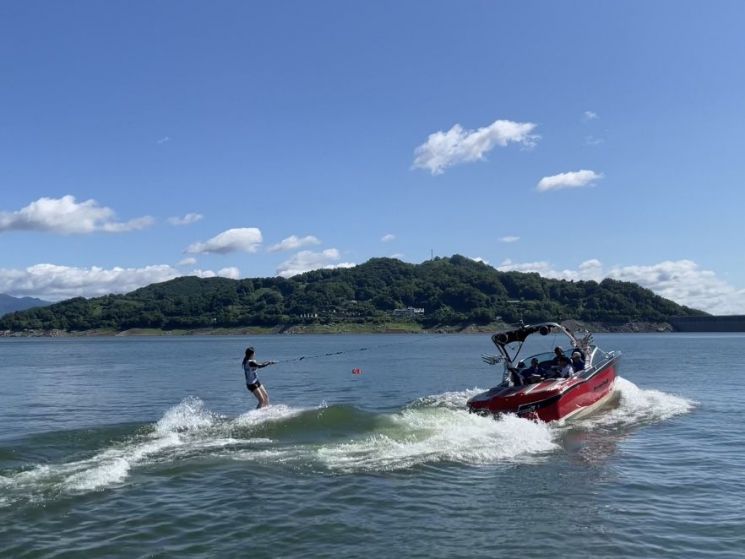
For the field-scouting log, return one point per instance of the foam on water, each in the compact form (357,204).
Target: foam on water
(432,429)
(190,414)
(111,466)
(638,406)
(419,436)
(272,414)
(184,430)
(451,400)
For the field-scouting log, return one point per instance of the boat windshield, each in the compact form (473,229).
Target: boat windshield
(545,359)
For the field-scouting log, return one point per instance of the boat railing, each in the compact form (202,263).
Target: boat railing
(599,359)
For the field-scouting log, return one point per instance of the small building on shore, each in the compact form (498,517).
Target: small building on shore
(408,312)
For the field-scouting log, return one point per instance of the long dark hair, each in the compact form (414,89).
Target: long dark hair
(249,354)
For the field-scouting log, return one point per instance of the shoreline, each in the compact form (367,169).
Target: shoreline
(339,328)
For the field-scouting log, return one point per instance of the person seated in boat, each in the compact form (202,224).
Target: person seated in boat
(558,355)
(516,374)
(578,364)
(565,367)
(534,373)
(556,363)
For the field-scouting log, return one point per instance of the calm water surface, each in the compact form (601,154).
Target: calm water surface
(149,447)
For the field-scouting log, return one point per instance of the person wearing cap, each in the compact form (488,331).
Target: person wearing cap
(250,366)
(578,363)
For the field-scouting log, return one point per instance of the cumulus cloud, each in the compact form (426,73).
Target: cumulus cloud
(188,261)
(230,272)
(479,259)
(163,140)
(681,281)
(306,260)
(457,145)
(243,239)
(387,238)
(572,179)
(52,282)
(66,216)
(188,219)
(509,239)
(589,115)
(294,242)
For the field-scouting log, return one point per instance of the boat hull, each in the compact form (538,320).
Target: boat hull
(554,399)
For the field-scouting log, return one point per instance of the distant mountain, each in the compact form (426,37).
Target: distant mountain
(439,292)
(12,304)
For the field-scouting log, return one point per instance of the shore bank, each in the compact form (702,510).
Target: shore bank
(342,328)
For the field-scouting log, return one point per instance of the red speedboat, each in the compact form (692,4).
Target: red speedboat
(548,396)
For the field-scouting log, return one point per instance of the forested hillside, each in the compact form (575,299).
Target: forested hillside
(450,291)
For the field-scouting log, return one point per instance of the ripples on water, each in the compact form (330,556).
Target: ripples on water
(422,479)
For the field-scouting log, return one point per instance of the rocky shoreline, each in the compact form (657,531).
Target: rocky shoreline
(398,328)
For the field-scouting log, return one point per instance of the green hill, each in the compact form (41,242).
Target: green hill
(451,291)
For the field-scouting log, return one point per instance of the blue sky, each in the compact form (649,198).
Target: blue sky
(581,140)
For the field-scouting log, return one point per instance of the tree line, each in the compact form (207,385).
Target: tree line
(452,291)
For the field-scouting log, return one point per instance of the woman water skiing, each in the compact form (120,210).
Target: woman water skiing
(250,366)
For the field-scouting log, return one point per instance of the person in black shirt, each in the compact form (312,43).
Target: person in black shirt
(534,373)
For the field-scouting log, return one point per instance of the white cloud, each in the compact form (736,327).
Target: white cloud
(398,255)
(509,239)
(593,141)
(52,282)
(188,219)
(479,259)
(294,242)
(444,149)
(244,239)
(684,282)
(229,272)
(188,261)
(306,260)
(163,140)
(589,115)
(387,238)
(546,270)
(681,281)
(572,179)
(66,216)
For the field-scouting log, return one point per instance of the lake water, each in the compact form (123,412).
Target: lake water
(150,447)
